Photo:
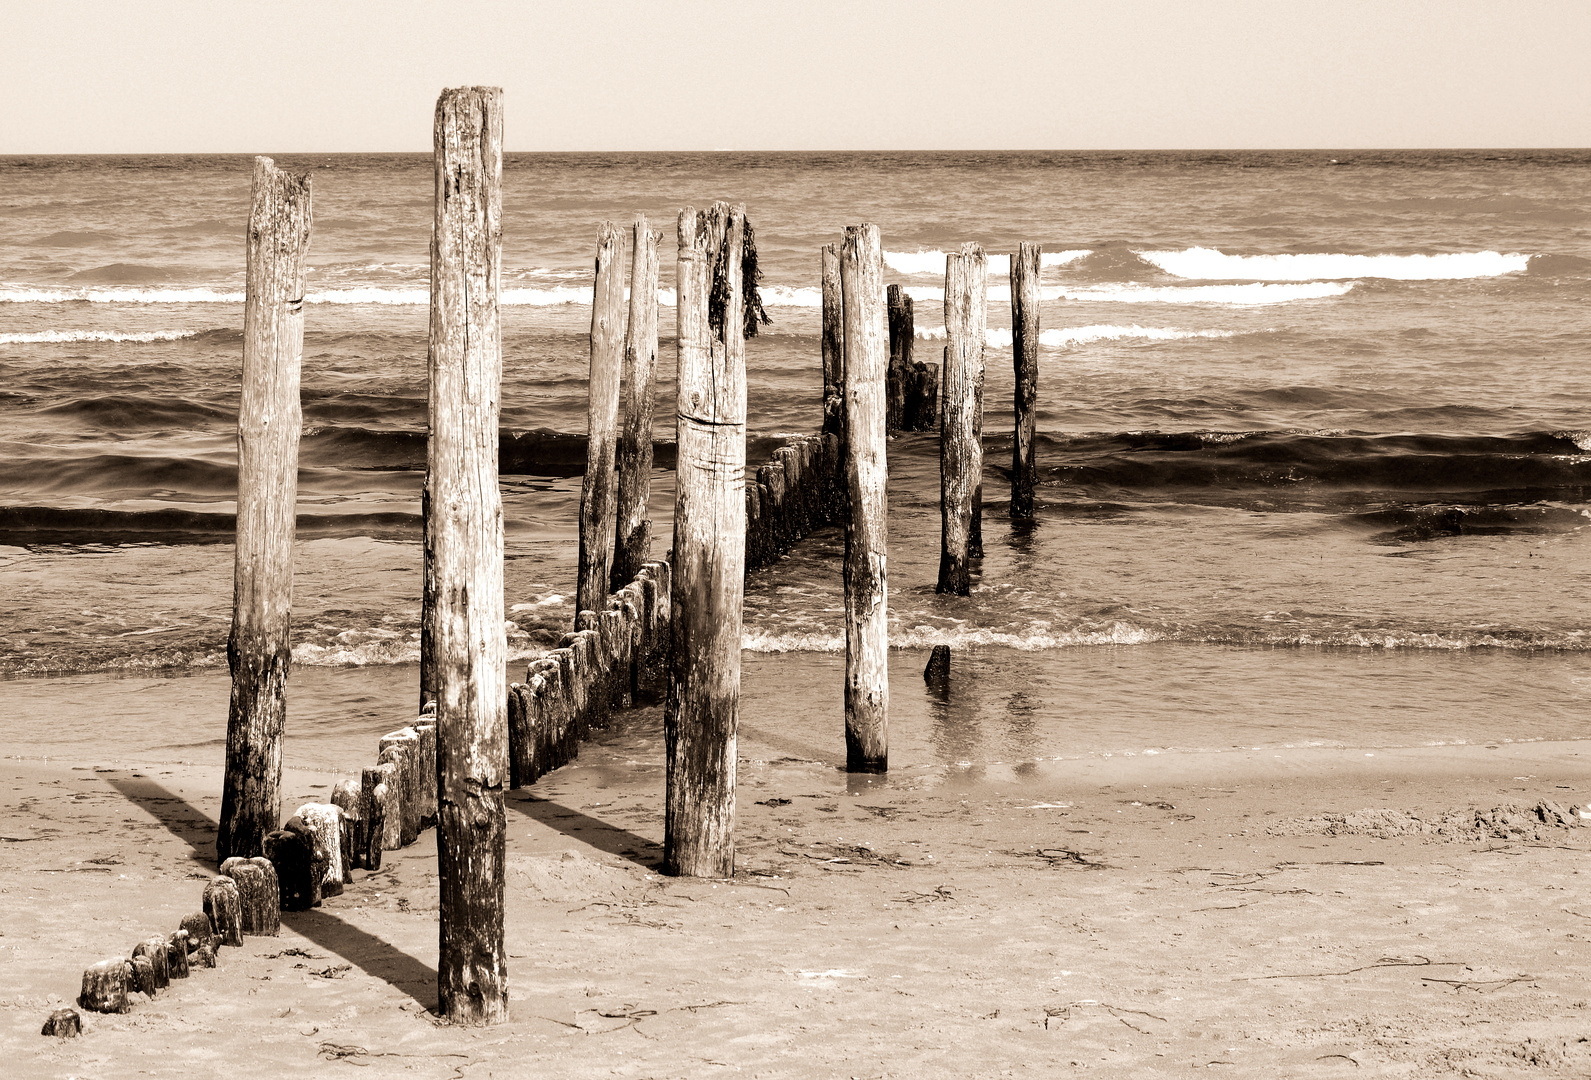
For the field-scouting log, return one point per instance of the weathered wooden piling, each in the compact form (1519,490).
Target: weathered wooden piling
(324,822)
(960,445)
(259,895)
(143,977)
(833,344)
(348,797)
(1025,358)
(902,327)
(465,520)
(703,708)
(199,929)
(105,987)
(632,545)
(63,1024)
(299,870)
(402,748)
(866,533)
(599,490)
(158,954)
(222,904)
(269,418)
(177,954)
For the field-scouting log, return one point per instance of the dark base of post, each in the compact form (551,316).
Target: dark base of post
(857,761)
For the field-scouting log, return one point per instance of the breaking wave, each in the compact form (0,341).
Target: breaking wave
(1212,265)
(1063,337)
(933,262)
(63,337)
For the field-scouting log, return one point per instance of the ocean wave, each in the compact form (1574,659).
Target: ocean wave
(1212,265)
(1251,295)
(933,262)
(1257,294)
(757,639)
(1063,337)
(66,337)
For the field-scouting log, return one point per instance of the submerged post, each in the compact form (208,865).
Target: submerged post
(703,709)
(632,547)
(833,344)
(269,418)
(960,445)
(1025,356)
(599,491)
(866,534)
(465,522)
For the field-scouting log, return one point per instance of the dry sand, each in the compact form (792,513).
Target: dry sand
(1134,917)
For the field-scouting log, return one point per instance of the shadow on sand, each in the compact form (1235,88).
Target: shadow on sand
(589,830)
(375,957)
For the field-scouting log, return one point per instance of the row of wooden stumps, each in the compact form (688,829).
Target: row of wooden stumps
(245,900)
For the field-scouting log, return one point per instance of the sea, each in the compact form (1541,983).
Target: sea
(1314,447)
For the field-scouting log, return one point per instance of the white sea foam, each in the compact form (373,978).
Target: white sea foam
(1064,337)
(920,637)
(1257,294)
(1251,295)
(933,262)
(1212,265)
(52,337)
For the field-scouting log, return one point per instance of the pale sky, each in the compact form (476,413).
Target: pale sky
(131,76)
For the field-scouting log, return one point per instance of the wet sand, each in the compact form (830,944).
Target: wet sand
(1140,916)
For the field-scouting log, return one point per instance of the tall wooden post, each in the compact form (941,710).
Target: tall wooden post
(833,344)
(960,444)
(632,547)
(465,518)
(1025,356)
(599,491)
(866,533)
(703,709)
(269,418)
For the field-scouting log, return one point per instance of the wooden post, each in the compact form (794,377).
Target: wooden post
(899,379)
(866,532)
(269,418)
(633,543)
(703,708)
(833,344)
(599,491)
(960,449)
(465,517)
(1025,357)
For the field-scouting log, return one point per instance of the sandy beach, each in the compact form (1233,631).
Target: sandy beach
(1127,916)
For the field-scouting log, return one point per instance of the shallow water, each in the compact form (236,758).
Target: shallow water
(1284,404)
